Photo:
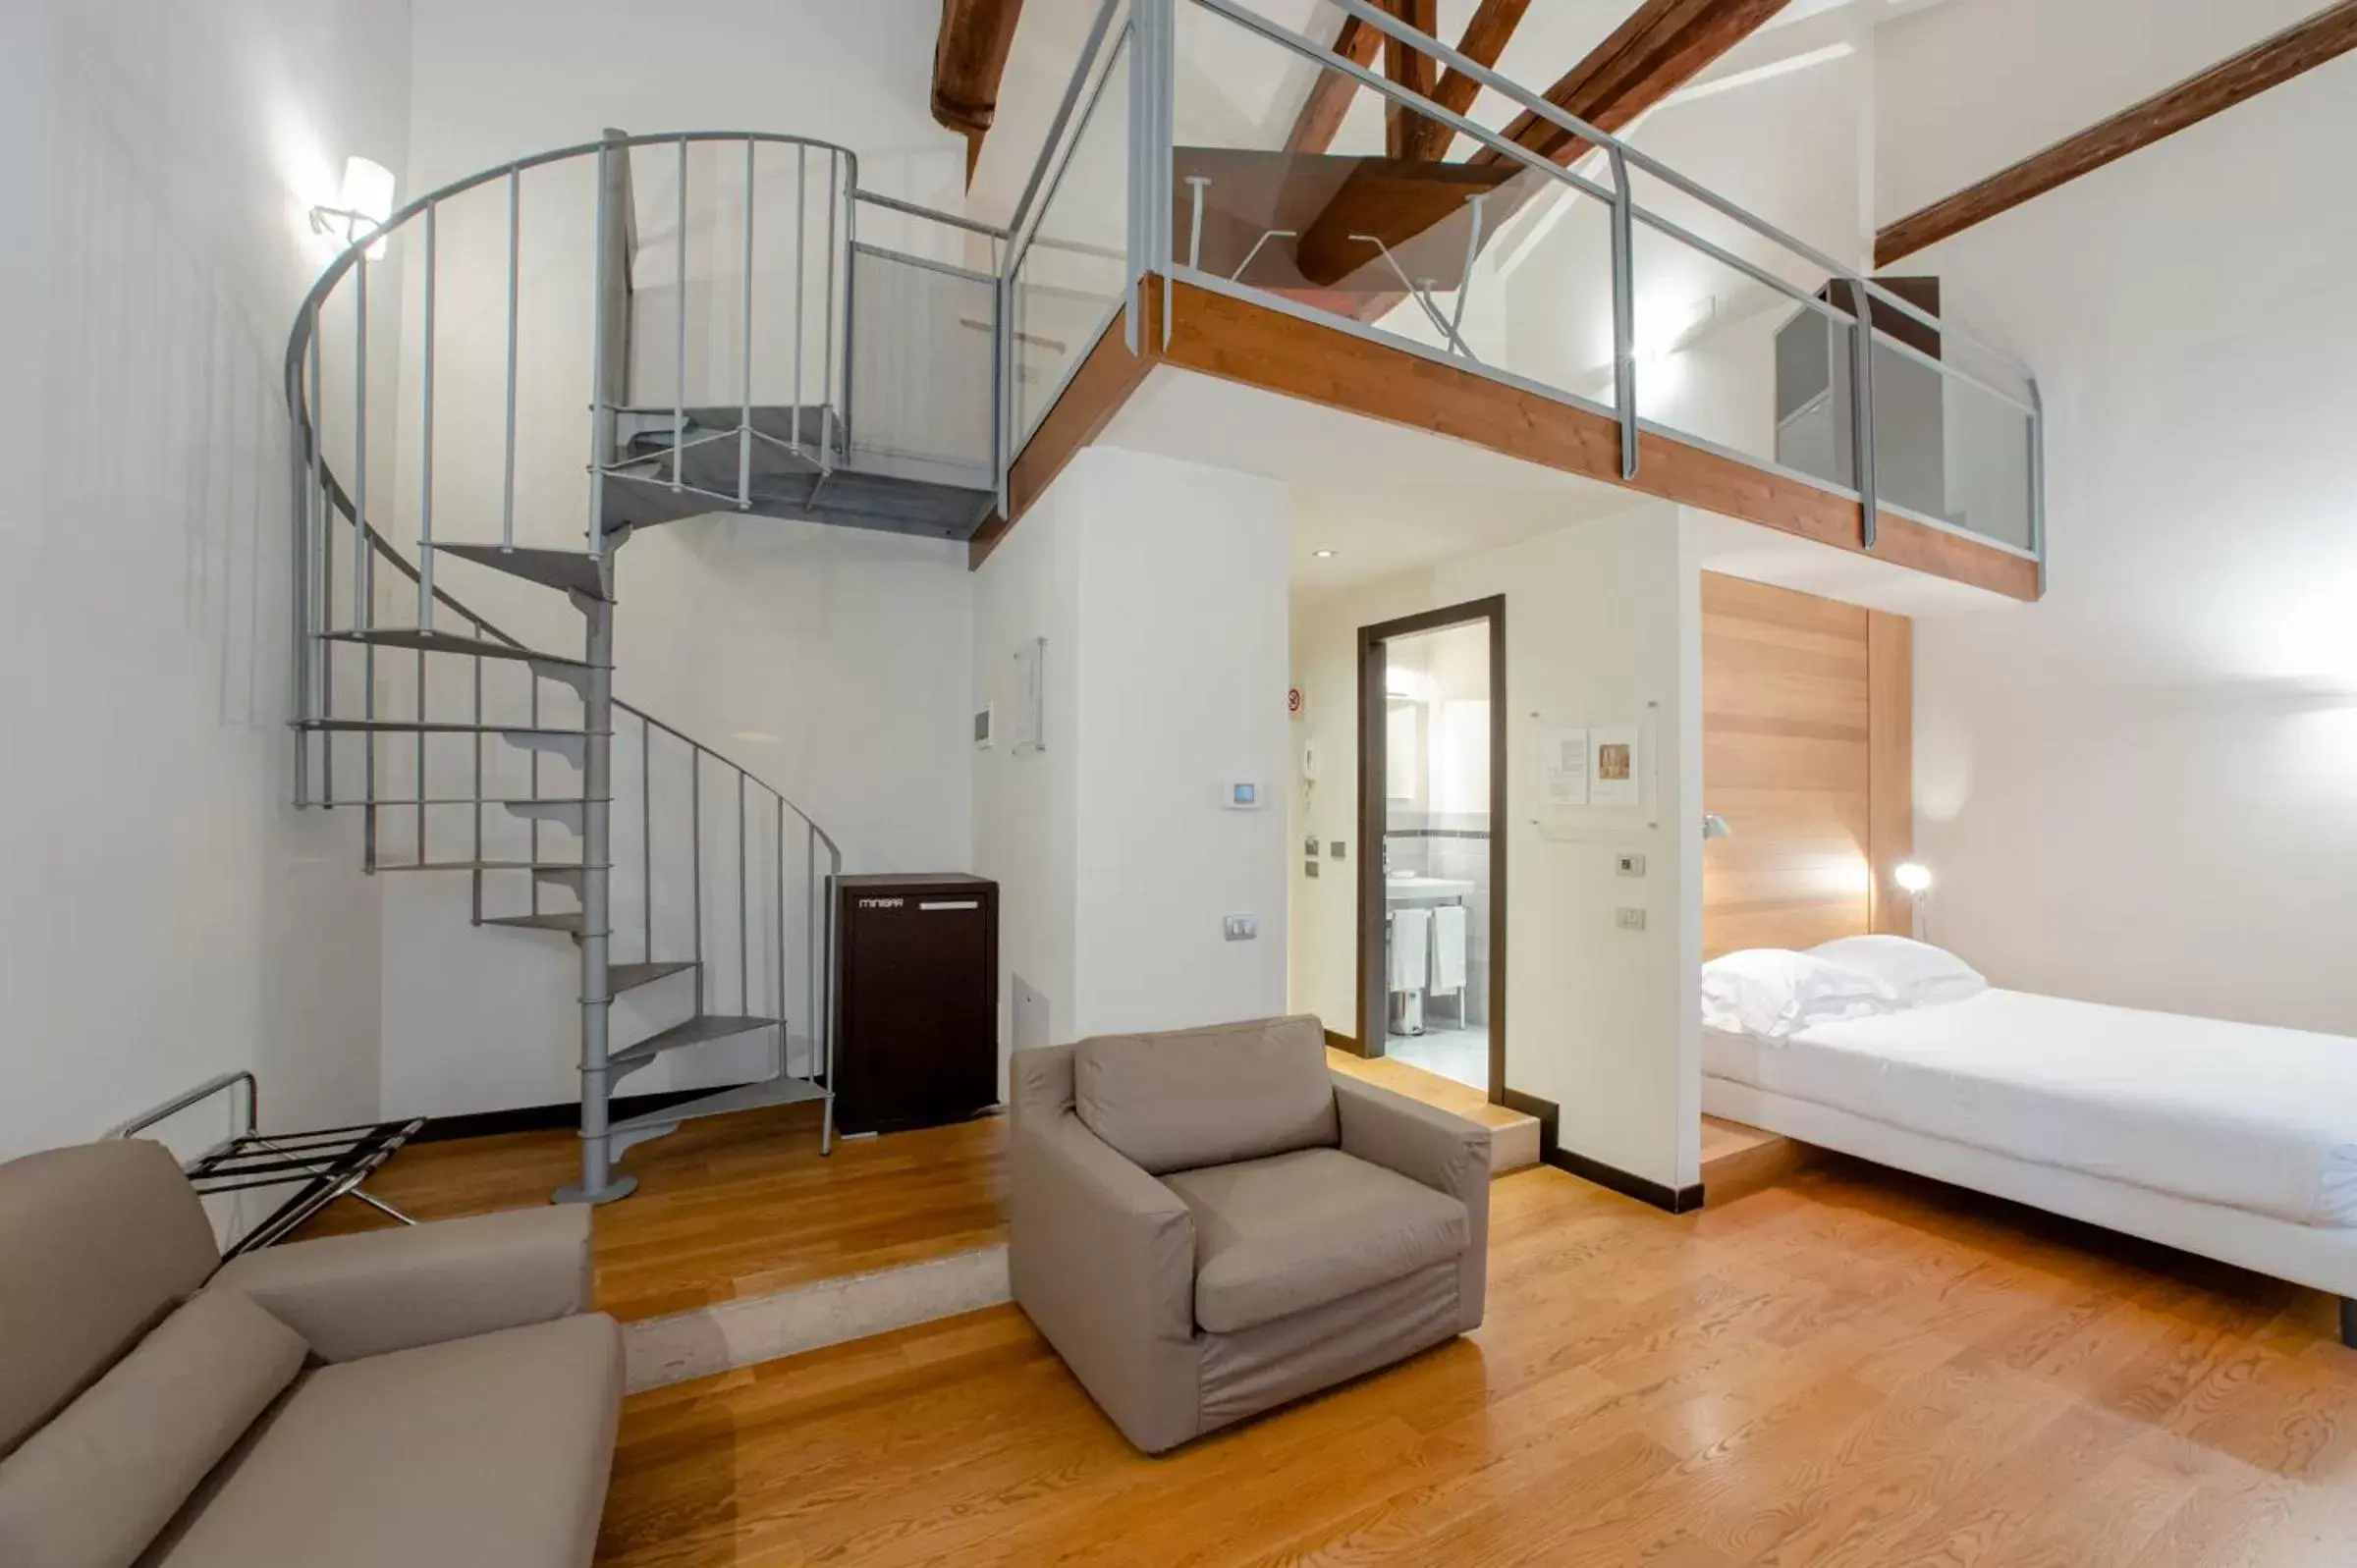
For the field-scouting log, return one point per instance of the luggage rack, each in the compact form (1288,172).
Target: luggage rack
(329,1162)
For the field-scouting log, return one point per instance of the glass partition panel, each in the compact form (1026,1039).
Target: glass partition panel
(923,368)
(1727,357)
(1282,184)
(1075,264)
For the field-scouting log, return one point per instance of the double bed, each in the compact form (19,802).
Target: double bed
(2232,1141)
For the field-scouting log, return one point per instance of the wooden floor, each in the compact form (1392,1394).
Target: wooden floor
(1858,1368)
(731,1207)
(744,1205)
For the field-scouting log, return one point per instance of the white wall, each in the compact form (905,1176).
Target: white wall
(164,914)
(501,79)
(1182,680)
(1603,627)
(2140,791)
(1160,589)
(1966,88)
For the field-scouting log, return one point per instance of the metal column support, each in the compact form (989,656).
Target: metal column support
(1624,312)
(1861,408)
(2038,492)
(598,1184)
(425,483)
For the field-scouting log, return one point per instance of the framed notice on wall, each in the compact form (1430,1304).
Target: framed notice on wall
(1616,767)
(1564,758)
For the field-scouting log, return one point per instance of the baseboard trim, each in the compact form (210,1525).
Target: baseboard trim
(1672,1200)
(548,1118)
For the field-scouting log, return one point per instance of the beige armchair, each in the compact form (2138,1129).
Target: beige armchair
(1210,1223)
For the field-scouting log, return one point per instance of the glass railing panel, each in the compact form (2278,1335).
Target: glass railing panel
(1074,265)
(1281,185)
(924,366)
(1954,435)
(1724,355)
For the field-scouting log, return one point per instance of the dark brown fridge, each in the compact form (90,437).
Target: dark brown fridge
(916,1000)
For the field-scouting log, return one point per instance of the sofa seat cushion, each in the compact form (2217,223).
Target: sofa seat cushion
(1206,1096)
(488,1452)
(1281,1235)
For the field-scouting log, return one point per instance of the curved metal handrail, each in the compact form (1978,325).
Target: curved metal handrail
(300,340)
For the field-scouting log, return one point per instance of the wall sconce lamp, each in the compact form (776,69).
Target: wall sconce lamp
(1914,879)
(1714,826)
(365,202)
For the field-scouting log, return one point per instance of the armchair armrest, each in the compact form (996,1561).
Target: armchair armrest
(1443,1151)
(362,1295)
(1102,1260)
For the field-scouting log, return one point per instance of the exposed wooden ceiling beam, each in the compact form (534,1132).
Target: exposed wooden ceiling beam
(1330,94)
(1663,46)
(2326,35)
(1412,69)
(970,55)
(1485,39)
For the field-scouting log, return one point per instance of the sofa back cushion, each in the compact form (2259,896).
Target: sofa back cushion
(1207,1096)
(97,1243)
(92,1488)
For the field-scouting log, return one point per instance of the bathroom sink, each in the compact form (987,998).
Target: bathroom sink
(1401,888)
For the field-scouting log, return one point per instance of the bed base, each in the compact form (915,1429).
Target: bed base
(2318,1257)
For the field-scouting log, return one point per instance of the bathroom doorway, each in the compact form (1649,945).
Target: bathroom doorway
(1431,815)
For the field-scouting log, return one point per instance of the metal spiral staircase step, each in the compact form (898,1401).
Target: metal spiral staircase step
(410,726)
(751,1097)
(565,874)
(700,1030)
(412,639)
(568,921)
(621,976)
(565,571)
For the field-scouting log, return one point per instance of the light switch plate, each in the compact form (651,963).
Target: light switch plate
(1334,849)
(1630,865)
(1309,847)
(1242,928)
(1309,868)
(1628,919)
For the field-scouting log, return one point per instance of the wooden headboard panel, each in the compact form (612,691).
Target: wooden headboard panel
(1807,744)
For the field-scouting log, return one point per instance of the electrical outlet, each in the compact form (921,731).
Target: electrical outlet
(1309,868)
(1309,847)
(1334,849)
(1630,865)
(1628,919)
(1242,928)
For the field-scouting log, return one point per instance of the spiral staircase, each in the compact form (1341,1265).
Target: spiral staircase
(680,269)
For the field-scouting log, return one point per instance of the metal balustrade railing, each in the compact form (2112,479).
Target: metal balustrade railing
(1143,153)
(478,305)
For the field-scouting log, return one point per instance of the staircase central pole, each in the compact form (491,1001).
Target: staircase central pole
(597,1183)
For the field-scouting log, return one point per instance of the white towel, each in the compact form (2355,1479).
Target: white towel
(1411,947)
(1449,947)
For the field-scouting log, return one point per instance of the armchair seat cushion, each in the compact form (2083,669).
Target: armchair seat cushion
(1293,1231)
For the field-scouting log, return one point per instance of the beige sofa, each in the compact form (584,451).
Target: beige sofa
(1208,1223)
(432,1396)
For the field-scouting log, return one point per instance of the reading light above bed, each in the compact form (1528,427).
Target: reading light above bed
(1914,876)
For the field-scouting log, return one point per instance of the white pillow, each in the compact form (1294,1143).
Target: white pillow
(1917,973)
(1772,992)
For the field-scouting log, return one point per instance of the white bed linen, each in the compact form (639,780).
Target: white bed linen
(2243,1115)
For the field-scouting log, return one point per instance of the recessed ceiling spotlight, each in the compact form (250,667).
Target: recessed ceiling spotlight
(1323,554)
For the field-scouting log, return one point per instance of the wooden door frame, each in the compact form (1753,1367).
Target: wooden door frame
(1373,741)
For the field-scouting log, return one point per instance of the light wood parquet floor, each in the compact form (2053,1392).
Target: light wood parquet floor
(1854,1368)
